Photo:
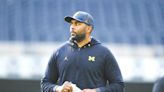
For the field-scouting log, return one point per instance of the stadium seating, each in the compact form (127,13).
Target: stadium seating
(116,21)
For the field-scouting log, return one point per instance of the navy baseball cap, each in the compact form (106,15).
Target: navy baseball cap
(81,16)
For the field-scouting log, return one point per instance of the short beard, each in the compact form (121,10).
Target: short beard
(78,38)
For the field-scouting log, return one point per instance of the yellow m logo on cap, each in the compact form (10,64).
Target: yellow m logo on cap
(91,58)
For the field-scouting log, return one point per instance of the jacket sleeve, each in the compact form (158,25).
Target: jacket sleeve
(51,75)
(113,75)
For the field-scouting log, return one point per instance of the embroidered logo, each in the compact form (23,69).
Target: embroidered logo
(66,58)
(91,58)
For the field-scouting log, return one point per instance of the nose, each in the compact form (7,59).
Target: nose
(71,28)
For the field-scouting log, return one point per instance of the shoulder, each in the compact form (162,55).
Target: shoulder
(104,49)
(160,81)
(64,45)
(159,85)
(107,54)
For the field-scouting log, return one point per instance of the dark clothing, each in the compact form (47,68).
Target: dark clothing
(159,85)
(92,66)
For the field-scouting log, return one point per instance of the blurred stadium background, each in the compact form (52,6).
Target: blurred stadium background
(31,30)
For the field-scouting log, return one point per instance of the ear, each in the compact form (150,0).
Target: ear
(89,29)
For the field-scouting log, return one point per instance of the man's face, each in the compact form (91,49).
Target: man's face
(78,30)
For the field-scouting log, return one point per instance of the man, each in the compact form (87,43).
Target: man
(82,63)
(159,85)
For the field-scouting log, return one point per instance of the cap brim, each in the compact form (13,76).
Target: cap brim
(68,19)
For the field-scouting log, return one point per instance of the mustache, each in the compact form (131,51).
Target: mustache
(73,33)
(77,37)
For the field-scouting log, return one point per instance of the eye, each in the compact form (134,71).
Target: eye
(78,23)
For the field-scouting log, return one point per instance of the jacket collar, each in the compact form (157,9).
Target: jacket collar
(91,43)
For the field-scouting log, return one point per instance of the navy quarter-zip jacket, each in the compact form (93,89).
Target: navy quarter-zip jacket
(92,66)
